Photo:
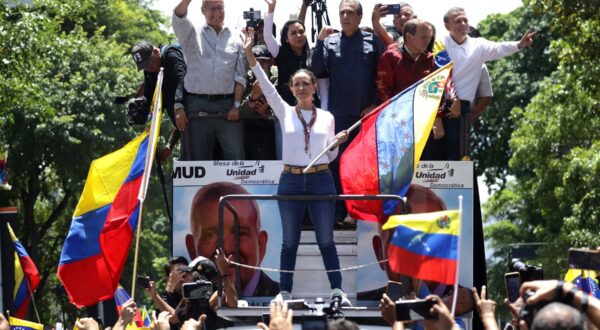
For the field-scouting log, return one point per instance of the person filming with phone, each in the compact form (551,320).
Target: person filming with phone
(198,288)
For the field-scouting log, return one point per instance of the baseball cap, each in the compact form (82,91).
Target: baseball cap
(142,54)
(261,52)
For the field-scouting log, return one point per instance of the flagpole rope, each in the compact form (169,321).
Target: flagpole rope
(268,269)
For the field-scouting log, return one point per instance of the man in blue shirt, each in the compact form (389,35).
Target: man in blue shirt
(349,58)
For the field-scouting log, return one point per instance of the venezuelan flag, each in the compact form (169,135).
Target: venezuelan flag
(18,324)
(27,277)
(425,245)
(97,245)
(121,297)
(585,280)
(384,155)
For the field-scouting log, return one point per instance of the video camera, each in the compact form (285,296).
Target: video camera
(199,290)
(526,272)
(138,110)
(252,18)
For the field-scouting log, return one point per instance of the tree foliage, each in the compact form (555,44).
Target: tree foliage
(554,163)
(63,62)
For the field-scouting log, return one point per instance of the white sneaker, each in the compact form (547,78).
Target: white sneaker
(345,301)
(281,297)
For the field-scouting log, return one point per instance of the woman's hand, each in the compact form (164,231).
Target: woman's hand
(248,41)
(271,4)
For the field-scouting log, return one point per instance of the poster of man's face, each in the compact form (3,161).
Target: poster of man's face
(195,229)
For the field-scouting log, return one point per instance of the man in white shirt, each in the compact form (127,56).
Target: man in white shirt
(214,82)
(468,55)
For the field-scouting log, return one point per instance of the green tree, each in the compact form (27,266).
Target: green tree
(554,148)
(63,62)
(515,80)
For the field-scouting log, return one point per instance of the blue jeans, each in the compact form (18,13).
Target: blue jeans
(199,139)
(292,216)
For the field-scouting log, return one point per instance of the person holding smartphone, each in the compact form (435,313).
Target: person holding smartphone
(306,131)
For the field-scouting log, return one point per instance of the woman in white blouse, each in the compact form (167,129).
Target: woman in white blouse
(306,131)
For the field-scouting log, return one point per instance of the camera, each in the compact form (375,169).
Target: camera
(252,18)
(143,281)
(138,110)
(526,272)
(393,9)
(414,310)
(199,290)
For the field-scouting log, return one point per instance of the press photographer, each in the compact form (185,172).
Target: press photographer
(199,291)
(557,305)
(200,294)
(151,59)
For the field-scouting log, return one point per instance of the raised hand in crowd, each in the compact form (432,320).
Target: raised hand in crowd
(551,290)
(271,4)
(87,323)
(514,309)
(281,318)
(527,39)
(162,322)
(325,32)
(444,320)
(486,309)
(388,309)
(127,314)
(193,324)
(4,323)
(222,262)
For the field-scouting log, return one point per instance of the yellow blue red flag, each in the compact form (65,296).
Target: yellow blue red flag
(384,155)
(425,245)
(18,324)
(27,277)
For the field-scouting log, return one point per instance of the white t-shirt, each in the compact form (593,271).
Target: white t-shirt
(468,59)
(322,133)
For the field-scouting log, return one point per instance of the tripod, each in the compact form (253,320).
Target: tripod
(319,16)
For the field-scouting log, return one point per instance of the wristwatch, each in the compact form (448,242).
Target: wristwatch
(237,104)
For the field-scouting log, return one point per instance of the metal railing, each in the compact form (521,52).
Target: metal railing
(224,202)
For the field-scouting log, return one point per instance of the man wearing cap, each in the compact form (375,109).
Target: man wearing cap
(170,58)
(214,82)
(259,132)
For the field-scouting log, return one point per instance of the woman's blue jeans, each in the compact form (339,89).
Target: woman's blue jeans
(321,214)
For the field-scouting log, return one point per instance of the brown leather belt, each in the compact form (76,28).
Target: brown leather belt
(298,169)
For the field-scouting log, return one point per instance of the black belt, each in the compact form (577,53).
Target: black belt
(213,97)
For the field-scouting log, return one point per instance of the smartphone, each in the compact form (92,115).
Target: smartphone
(394,290)
(143,281)
(314,322)
(393,9)
(584,259)
(512,282)
(414,310)
(266,318)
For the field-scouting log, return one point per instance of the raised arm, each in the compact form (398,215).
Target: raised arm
(269,91)
(271,42)
(182,26)
(378,12)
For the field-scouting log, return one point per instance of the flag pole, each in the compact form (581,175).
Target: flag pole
(455,293)
(152,140)
(330,146)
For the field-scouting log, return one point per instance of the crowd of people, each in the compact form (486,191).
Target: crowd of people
(238,95)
